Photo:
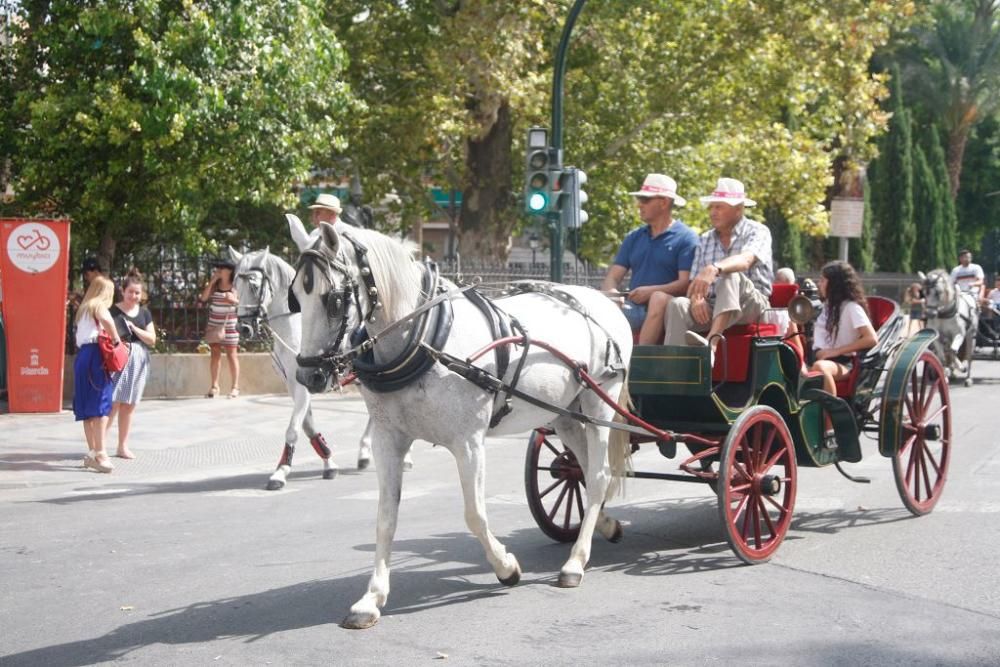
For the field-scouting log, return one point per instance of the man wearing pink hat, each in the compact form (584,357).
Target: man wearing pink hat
(732,272)
(659,255)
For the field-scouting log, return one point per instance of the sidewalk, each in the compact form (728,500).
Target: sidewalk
(180,440)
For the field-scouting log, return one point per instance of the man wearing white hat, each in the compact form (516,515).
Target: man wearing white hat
(732,272)
(326,208)
(659,255)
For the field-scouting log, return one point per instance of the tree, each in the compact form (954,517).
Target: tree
(928,213)
(946,231)
(771,91)
(135,117)
(952,65)
(892,196)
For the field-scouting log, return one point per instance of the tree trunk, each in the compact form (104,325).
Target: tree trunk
(106,247)
(957,139)
(485,218)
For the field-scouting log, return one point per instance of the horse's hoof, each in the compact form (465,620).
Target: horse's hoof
(569,580)
(275,485)
(359,621)
(968,382)
(363,463)
(514,578)
(330,473)
(619,533)
(407,466)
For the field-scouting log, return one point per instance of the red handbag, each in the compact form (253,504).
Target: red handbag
(114,356)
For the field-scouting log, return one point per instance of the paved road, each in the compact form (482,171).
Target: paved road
(182,557)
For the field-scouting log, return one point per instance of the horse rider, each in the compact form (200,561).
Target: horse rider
(732,272)
(969,277)
(659,255)
(326,208)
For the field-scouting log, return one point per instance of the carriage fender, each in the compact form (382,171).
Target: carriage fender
(895,388)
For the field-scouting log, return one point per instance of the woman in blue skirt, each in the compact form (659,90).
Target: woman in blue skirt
(92,384)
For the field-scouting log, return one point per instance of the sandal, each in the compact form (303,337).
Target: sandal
(97,463)
(212,393)
(235,392)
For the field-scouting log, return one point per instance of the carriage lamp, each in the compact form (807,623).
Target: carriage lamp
(533,242)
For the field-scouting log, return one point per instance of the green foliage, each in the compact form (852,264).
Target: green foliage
(135,117)
(928,213)
(946,230)
(978,202)
(892,196)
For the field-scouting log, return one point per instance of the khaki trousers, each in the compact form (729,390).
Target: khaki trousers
(734,294)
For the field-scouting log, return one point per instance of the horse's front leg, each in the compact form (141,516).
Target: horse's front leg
(470,458)
(390,445)
(318,442)
(598,477)
(300,406)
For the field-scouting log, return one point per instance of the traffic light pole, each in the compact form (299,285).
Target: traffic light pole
(554,218)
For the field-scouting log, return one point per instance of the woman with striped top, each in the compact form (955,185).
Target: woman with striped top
(221,334)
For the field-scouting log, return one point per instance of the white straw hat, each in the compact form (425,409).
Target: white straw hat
(659,185)
(729,191)
(328,201)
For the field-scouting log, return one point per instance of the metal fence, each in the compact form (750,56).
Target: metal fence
(175,280)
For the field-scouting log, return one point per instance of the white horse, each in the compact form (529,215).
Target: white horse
(262,280)
(954,314)
(353,278)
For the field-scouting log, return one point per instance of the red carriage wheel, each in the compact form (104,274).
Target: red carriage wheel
(554,483)
(923,447)
(757,484)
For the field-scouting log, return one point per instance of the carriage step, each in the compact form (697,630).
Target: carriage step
(844,424)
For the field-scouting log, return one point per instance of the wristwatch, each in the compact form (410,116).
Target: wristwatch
(717,268)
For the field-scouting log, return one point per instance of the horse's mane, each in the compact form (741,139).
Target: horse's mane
(397,275)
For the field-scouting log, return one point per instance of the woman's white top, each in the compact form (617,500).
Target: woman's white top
(852,318)
(86,331)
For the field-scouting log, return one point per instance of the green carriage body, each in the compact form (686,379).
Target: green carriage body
(746,438)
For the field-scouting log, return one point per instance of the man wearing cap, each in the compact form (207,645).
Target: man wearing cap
(732,272)
(659,255)
(326,208)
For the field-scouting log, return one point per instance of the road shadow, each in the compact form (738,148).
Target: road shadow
(241,482)
(834,521)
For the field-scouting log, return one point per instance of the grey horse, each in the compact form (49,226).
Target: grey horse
(954,314)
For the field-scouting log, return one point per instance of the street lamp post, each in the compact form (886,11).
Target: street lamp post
(533,243)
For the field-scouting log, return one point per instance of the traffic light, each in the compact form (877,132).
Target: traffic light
(537,190)
(573,198)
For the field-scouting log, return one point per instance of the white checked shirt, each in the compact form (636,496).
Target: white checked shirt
(748,236)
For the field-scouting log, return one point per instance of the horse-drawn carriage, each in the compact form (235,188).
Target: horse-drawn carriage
(753,418)
(441,363)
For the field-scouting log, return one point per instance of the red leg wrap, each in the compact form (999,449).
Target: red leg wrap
(286,456)
(319,444)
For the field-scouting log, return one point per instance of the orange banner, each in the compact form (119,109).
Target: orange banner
(34,263)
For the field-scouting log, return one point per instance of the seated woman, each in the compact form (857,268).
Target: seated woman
(842,329)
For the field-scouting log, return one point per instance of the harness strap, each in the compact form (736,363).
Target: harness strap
(490,383)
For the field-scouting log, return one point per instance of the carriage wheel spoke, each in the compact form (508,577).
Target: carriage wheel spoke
(773,461)
(762,510)
(778,506)
(579,502)
(568,514)
(925,473)
(551,447)
(558,503)
(551,486)
(931,394)
(937,413)
(755,511)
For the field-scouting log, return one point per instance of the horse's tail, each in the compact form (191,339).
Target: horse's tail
(620,447)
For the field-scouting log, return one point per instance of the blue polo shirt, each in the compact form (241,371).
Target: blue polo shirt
(657,261)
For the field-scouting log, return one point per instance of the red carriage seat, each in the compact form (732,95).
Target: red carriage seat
(732,358)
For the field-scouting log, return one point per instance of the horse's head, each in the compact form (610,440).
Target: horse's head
(254,289)
(939,293)
(330,291)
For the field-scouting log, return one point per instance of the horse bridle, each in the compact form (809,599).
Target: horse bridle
(935,312)
(257,315)
(336,303)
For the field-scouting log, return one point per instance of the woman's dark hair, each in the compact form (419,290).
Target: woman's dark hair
(842,284)
(134,277)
